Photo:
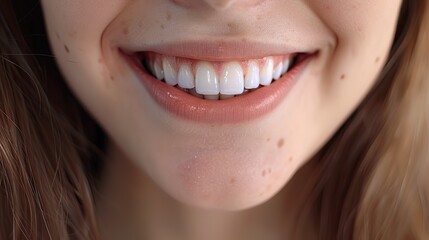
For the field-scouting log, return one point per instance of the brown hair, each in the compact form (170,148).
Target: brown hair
(373,181)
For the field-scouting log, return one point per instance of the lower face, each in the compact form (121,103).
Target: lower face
(220,102)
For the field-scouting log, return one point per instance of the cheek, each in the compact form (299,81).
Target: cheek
(75,33)
(364,31)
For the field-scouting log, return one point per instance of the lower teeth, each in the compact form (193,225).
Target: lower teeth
(194,93)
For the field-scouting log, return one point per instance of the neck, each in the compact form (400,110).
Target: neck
(131,206)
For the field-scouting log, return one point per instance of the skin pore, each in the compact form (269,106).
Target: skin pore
(171,178)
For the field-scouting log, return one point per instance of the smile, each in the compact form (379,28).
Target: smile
(217,92)
(217,80)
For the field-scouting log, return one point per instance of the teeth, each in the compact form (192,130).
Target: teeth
(206,81)
(211,97)
(286,64)
(266,75)
(278,71)
(186,78)
(252,76)
(222,96)
(170,75)
(232,80)
(194,93)
(202,79)
(159,73)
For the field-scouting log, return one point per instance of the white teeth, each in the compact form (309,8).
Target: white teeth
(159,73)
(206,81)
(186,78)
(232,80)
(266,75)
(252,76)
(170,75)
(278,71)
(286,64)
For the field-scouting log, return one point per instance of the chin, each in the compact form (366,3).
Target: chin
(227,181)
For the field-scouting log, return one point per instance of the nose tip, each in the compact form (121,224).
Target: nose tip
(216,4)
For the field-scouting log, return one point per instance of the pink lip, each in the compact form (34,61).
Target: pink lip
(234,110)
(218,50)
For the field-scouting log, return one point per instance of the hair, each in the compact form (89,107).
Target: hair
(372,180)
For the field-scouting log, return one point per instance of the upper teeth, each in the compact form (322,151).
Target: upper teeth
(217,80)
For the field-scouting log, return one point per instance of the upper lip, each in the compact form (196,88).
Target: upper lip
(221,50)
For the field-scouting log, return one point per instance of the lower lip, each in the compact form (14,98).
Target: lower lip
(233,110)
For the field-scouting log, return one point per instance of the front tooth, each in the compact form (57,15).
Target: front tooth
(252,76)
(206,81)
(186,77)
(267,72)
(278,71)
(286,64)
(159,73)
(170,75)
(232,80)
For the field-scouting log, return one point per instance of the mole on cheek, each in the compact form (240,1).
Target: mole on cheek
(280,143)
(343,76)
(377,59)
(125,31)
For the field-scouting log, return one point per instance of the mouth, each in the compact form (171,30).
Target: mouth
(230,91)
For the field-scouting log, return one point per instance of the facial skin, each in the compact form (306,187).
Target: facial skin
(221,166)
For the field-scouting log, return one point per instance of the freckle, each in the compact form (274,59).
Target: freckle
(269,170)
(268,139)
(162,26)
(377,59)
(112,78)
(290,159)
(263,173)
(231,26)
(232,180)
(125,31)
(66,48)
(168,16)
(343,76)
(280,143)
(58,35)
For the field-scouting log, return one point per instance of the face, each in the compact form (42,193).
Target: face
(220,102)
